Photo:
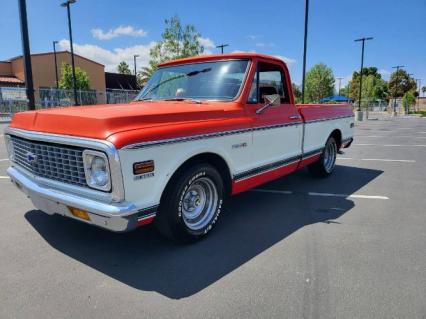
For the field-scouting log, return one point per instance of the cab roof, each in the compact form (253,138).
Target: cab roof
(214,57)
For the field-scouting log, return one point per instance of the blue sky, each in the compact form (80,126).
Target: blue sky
(273,27)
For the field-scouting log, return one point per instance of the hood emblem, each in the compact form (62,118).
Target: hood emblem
(31,158)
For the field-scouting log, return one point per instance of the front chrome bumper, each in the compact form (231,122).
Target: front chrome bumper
(115,217)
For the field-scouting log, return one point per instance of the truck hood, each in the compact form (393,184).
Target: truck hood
(127,123)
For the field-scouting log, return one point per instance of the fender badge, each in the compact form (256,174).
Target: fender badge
(240,145)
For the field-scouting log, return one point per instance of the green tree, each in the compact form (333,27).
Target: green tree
(373,86)
(400,83)
(123,68)
(81,77)
(319,83)
(424,89)
(177,41)
(408,100)
(297,93)
(145,74)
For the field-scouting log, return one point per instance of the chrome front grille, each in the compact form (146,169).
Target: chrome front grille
(61,163)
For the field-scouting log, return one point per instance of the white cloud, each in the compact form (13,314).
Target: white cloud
(208,44)
(287,60)
(253,37)
(119,31)
(260,44)
(111,58)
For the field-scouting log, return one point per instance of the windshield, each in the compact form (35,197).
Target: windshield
(218,80)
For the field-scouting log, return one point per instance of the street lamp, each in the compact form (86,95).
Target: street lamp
(222,46)
(56,63)
(362,66)
(26,54)
(67,5)
(134,61)
(305,48)
(340,82)
(397,67)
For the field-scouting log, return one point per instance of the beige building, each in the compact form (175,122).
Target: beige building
(43,67)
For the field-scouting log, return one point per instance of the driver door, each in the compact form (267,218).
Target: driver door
(277,130)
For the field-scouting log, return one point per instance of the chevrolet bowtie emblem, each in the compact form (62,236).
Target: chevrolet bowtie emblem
(31,157)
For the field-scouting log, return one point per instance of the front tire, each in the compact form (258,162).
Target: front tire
(191,204)
(324,167)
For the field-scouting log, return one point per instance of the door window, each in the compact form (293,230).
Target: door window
(269,79)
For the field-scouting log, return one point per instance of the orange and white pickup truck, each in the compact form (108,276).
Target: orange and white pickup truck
(202,128)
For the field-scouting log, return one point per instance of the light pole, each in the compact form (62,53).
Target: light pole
(67,5)
(340,82)
(26,54)
(305,49)
(360,73)
(397,67)
(222,46)
(419,86)
(56,64)
(407,106)
(134,61)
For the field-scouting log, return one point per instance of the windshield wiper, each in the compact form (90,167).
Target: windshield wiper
(145,99)
(183,99)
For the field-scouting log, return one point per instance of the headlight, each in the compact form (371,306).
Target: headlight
(9,147)
(96,169)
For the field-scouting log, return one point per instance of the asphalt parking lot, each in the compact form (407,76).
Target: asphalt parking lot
(350,246)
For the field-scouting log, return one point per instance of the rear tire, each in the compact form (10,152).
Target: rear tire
(191,203)
(324,167)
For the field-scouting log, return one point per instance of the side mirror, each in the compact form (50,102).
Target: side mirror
(270,100)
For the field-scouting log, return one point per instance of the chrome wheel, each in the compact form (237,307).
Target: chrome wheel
(199,203)
(330,156)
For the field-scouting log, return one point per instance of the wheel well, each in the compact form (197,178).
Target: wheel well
(214,160)
(337,135)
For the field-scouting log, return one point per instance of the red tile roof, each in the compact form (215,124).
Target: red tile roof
(10,79)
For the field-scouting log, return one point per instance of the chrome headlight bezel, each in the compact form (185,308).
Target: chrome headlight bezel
(88,157)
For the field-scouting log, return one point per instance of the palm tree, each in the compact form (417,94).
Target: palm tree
(145,74)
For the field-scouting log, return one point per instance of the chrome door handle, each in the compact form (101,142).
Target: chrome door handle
(295,117)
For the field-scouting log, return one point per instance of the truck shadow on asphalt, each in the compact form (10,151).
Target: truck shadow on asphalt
(252,223)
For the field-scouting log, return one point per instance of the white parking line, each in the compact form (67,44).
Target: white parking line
(347,195)
(377,159)
(391,145)
(4,159)
(4,177)
(273,191)
(389,136)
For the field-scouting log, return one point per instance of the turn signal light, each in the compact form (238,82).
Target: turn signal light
(79,213)
(143,167)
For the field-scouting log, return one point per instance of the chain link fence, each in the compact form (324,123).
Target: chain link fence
(13,100)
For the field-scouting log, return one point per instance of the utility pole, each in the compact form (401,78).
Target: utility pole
(397,67)
(26,54)
(305,49)
(419,86)
(67,5)
(134,62)
(360,72)
(407,106)
(222,46)
(56,64)
(340,82)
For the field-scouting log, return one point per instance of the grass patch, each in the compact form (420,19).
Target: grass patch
(421,113)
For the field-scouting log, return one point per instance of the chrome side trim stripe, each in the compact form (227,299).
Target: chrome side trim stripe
(220,134)
(147,212)
(275,165)
(205,136)
(329,119)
